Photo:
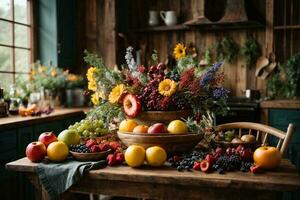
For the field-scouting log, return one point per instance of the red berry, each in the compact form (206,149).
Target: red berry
(197,166)
(246,154)
(95,148)
(111,160)
(114,145)
(104,146)
(90,143)
(219,150)
(256,169)
(204,166)
(209,158)
(120,158)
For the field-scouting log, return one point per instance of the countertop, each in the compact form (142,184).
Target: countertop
(283,104)
(58,113)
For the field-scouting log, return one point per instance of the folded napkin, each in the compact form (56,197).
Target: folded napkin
(59,177)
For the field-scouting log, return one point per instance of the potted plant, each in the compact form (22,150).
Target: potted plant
(74,90)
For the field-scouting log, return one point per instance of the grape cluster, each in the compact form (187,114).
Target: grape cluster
(186,161)
(89,128)
(80,148)
(180,102)
(245,166)
(227,163)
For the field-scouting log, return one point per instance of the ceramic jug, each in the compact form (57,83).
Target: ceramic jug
(169,17)
(153,18)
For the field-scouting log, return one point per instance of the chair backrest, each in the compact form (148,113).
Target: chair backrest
(262,131)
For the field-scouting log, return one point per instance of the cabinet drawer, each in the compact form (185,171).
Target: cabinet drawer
(8,140)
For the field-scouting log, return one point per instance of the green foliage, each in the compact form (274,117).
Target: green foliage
(227,50)
(250,51)
(106,112)
(208,57)
(290,86)
(154,57)
(186,63)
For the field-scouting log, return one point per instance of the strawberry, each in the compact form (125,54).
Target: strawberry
(132,105)
(209,158)
(114,145)
(104,146)
(197,166)
(256,169)
(120,158)
(89,143)
(111,160)
(204,165)
(95,148)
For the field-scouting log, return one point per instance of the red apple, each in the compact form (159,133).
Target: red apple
(36,151)
(47,138)
(157,128)
(132,105)
(267,157)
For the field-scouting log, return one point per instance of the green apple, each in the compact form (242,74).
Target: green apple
(69,137)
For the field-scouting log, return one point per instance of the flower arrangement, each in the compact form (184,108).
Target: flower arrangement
(74,81)
(47,77)
(187,85)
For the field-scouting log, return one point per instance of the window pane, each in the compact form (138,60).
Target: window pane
(5,33)
(6,81)
(22,58)
(5,59)
(21,11)
(21,36)
(5,9)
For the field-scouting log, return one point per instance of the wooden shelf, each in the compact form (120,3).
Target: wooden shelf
(207,26)
(291,27)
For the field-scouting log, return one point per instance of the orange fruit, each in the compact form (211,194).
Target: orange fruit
(127,125)
(57,151)
(156,156)
(177,127)
(135,155)
(267,157)
(140,129)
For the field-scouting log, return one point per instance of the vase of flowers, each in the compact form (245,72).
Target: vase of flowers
(74,91)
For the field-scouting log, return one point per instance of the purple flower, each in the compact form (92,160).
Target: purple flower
(220,92)
(209,75)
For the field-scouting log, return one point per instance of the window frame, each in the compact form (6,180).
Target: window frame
(31,37)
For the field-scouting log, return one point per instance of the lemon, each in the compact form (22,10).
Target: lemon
(127,125)
(177,127)
(135,155)
(57,151)
(156,156)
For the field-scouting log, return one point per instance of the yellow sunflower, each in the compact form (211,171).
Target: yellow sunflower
(116,93)
(179,51)
(53,72)
(95,98)
(91,79)
(167,87)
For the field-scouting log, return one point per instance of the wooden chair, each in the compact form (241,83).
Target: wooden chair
(262,132)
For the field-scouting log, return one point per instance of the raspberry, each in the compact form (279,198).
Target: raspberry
(114,145)
(111,158)
(90,143)
(95,149)
(120,158)
(104,146)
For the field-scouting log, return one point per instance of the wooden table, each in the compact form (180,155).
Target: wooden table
(167,183)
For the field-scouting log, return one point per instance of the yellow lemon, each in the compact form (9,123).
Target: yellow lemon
(156,156)
(57,151)
(135,155)
(127,125)
(177,127)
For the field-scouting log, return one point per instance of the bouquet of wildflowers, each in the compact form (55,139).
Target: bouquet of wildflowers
(185,86)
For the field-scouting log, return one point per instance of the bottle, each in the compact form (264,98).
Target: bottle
(3,105)
(14,101)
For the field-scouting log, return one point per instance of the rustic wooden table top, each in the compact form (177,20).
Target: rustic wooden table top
(284,178)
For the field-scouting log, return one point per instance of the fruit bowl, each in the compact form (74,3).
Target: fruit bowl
(172,143)
(89,156)
(151,117)
(226,144)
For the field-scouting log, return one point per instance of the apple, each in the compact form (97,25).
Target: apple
(157,128)
(36,151)
(267,157)
(248,138)
(69,137)
(132,105)
(47,138)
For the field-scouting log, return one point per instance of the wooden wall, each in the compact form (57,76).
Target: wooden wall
(105,18)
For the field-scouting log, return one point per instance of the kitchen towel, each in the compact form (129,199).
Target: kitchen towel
(59,177)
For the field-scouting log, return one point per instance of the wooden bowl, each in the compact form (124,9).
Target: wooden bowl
(151,117)
(172,143)
(90,156)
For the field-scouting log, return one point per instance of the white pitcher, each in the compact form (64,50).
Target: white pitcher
(153,18)
(169,17)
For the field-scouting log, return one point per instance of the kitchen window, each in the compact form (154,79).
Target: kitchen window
(16,40)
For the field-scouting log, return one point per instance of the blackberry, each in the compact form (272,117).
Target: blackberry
(79,148)
(186,161)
